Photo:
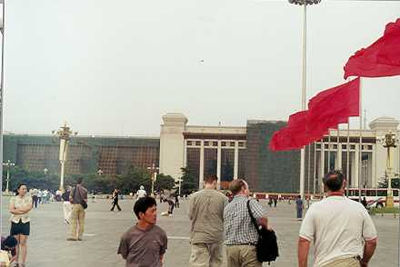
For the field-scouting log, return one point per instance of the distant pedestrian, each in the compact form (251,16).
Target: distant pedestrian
(270,202)
(171,206)
(145,243)
(176,201)
(299,208)
(141,192)
(275,202)
(342,232)
(364,202)
(77,197)
(206,211)
(35,198)
(115,197)
(20,205)
(241,236)
(67,207)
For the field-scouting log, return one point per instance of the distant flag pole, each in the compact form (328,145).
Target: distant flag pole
(348,159)
(2,22)
(360,144)
(304,3)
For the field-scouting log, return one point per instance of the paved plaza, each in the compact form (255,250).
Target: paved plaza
(47,245)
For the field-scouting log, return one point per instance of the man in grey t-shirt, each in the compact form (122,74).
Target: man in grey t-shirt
(206,211)
(144,244)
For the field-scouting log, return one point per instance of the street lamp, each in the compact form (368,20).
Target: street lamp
(64,134)
(303,3)
(389,141)
(8,164)
(153,175)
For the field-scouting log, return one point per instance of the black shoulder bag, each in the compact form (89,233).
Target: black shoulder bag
(267,245)
(83,202)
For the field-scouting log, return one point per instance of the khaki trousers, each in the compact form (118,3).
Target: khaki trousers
(242,256)
(349,262)
(206,255)
(77,221)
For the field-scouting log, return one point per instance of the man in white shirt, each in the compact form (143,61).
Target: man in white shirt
(141,192)
(341,229)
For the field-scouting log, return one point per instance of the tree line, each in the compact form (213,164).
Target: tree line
(128,182)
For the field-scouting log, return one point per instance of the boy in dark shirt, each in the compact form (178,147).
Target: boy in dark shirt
(144,244)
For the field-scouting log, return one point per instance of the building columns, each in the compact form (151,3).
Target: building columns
(201,172)
(322,167)
(236,161)
(219,165)
(339,165)
(356,166)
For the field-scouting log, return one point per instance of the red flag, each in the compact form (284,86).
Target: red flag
(380,59)
(332,107)
(293,136)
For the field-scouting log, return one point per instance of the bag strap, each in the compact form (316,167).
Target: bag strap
(253,220)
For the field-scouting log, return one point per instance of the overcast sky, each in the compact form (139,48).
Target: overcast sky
(115,67)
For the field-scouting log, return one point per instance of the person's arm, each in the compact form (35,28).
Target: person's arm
(302,251)
(190,213)
(14,210)
(259,214)
(123,248)
(369,249)
(13,258)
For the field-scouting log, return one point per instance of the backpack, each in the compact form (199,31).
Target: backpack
(267,245)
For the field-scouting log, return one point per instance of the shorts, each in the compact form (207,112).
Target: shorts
(20,228)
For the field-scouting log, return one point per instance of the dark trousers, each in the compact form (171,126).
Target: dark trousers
(115,203)
(35,201)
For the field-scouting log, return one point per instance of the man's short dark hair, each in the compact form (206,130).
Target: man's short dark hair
(142,204)
(10,242)
(236,186)
(79,180)
(333,180)
(210,179)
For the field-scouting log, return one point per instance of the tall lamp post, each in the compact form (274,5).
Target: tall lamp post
(389,142)
(153,176)
(8,164)
(64,134)
(303,3)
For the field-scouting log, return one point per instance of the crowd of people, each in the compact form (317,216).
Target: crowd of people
(340,229)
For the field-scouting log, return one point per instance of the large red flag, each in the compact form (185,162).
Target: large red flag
(293,136)
(332,107)
(380,59)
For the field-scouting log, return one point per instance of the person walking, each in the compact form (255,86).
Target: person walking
(35,197)
(299,208)
(67,207)
(241,236)
(206,211)
(340,229)
(77,197)
(20,206)
(141,192)
(115,198)
(145,243)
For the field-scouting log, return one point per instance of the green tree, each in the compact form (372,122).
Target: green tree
(133,179)
(384,183)
(189,181)
(164,182)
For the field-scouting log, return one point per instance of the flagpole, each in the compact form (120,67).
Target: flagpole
(329,150)
(339,167)
(308,170)
(348,159)
(303,95)
(1,115)
(360,145)
(315,169)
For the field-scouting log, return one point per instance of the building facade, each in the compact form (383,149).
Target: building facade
(227,152)
(232,152)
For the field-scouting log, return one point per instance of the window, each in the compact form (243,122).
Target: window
(382,193)
(198,143)
(189,143)
(232,143)
(223,143)
(206,143)
(215,143)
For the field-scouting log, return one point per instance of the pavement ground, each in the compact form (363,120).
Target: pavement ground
(47,245)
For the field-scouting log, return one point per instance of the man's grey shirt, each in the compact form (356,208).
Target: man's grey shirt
(239,230)
(206,210)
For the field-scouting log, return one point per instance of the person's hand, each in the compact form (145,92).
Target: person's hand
(363,263)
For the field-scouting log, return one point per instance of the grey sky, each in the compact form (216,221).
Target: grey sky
(115,67)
